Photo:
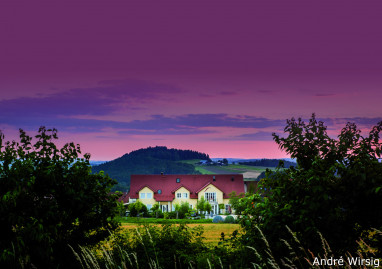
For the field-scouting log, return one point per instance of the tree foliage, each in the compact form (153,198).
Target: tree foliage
(49,200)
(335,189)
(235,200)
(268,163)
(138,208)
(203,205)
(183,209)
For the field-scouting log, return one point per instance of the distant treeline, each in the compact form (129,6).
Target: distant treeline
(152,160)
(269,163)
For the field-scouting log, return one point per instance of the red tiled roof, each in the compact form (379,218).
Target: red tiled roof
(148,186)
(194,183)
(124,198)
(178,187)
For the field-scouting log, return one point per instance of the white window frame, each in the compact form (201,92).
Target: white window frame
(210,196)
(142,195)
(185,195)
(149,195)
(179,195)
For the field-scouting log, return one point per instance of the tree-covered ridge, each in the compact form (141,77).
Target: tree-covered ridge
(165,153)
(152,160)
(269,163)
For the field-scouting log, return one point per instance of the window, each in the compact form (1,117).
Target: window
(185,195)
(144,195)
(178,195)
(178,180)
(213,178)
(149,206)
(210,196)
(228,208)
(159,191)
(190,206)
(232,179)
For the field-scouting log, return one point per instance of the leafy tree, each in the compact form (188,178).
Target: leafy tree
(221,207)
(155,207)
(335,189)
(235,200)
(200,204)
(50,200)
(156,211)
(183,208)
(208,207)
(138,208)
(203,206)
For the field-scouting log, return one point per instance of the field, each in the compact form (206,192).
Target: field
(249,172)
(212,231)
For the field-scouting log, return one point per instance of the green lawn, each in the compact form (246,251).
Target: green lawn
(135,220)
(212,231)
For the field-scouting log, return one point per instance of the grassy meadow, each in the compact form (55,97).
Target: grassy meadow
(249,172)
(212,231)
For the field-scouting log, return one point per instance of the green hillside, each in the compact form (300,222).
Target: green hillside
(152,160)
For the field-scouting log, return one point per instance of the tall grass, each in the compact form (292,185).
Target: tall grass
(145,249)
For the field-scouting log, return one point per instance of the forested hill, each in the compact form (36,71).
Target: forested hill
(152,160)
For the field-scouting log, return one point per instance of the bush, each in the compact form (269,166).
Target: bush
(229,219)
(138,209)
(183,209)
(157,214)
(168,246)
(171,215)
(217,219)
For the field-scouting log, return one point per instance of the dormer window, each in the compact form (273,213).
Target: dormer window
(213,178)
(178,180)
(232,179)
(159,191)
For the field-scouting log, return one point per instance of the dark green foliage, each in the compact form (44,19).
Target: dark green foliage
(335,189)
(182,209)
(269,163)
(264,173)
(152,160)
(203,205)
(138,209)
(235,202)
(179,246)
(229,219)
(163,221)
(49,200)
(168,246)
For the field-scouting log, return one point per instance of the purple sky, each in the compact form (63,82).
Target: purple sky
(214,76)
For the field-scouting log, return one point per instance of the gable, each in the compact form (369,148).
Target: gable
(210,188)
